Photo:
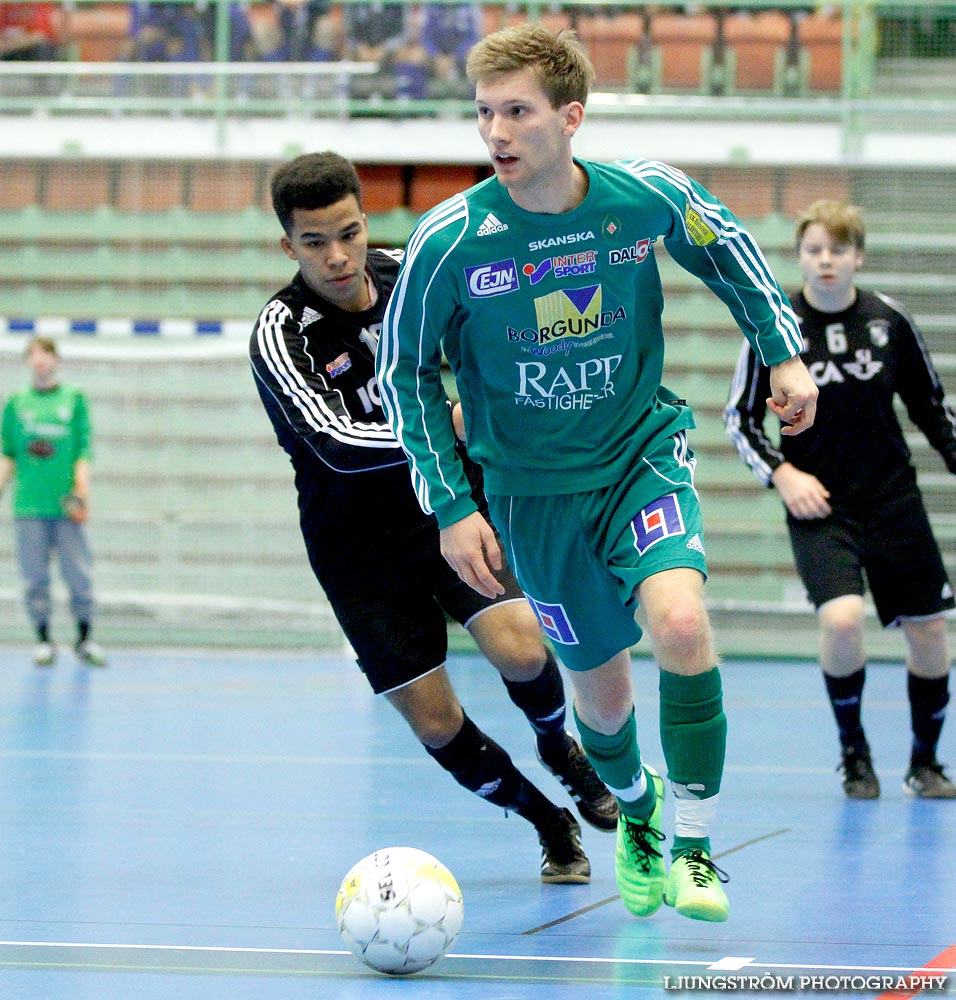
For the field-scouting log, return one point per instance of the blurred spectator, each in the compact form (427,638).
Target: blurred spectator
(30,31)
(375,32)
(165,32)
(186,32)
(242,47)
(448,31)
(302,31)
(386,33)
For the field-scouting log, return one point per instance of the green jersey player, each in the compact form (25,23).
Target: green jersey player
(541,288)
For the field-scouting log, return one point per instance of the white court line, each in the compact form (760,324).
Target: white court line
(214,949)
(325,760)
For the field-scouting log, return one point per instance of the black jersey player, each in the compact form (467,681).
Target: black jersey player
(371,548)
(854,509)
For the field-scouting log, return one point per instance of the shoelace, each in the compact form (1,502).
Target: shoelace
(640,835)
(702,869)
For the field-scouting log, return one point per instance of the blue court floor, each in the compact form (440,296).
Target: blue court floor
(175,827)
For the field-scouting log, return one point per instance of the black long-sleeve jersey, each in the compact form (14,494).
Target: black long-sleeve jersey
(860,359)
(314,366)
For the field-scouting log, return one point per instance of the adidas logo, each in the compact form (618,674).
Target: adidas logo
(309,316)
(492,224)
(696,544)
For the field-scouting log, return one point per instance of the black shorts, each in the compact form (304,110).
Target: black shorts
(891,542)
(399,632)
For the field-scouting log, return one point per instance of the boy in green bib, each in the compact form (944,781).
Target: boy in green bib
(47,447)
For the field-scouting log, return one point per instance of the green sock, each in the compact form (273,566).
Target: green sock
(684,845)
(693,731)
(617,761)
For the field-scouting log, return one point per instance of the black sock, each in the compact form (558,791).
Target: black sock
(543,703)
(929,697)
(846,697)
(43,631)
(82,631)
(479,764)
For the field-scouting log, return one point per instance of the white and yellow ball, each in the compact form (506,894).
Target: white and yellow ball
(399,910)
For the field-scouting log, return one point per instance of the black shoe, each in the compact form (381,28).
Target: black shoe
(595,803)
(928,781)
(859,778)
(563,860)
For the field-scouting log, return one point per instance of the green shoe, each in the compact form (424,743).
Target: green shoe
(693,888)
(638,864)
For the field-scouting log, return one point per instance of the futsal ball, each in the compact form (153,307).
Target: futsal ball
(399,910)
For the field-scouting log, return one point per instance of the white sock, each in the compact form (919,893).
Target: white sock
(693,817)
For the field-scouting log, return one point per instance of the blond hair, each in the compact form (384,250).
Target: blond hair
(557,60)
(842,221)
(45,344)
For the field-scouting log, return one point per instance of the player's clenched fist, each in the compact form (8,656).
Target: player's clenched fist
(794,395)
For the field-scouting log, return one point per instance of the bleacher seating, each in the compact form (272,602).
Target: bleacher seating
(612,44)
(99,32)
(653,48)
(18,184)
(715,51)
(756,46)
(820,35)
(683,52)
(160,243)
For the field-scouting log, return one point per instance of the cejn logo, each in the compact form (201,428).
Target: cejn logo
(487,280)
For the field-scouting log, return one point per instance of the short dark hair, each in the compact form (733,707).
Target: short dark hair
(313,180)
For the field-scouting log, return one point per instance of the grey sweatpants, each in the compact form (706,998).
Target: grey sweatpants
(37,539)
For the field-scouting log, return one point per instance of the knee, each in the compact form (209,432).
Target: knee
(682,638)
(604,698)
(436,725)
(931,632)
(431,709)
(929,647)
(513,644)
(843,625)
(521,659)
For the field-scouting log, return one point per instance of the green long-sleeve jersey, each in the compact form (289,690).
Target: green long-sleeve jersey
(552,327)
(45,432)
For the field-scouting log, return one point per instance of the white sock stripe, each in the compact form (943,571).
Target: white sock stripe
(633,792)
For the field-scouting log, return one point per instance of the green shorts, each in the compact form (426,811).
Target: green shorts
(579,557)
